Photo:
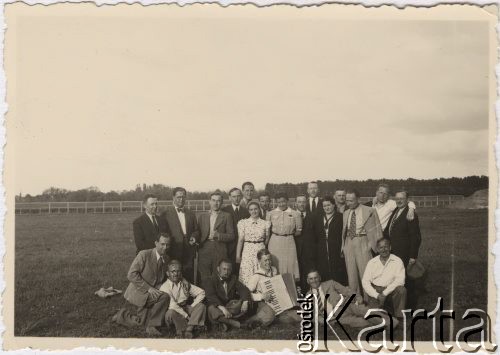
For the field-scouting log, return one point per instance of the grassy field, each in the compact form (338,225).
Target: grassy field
(61,260)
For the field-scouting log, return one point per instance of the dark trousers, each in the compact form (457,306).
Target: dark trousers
(209,255)
(265,316)
(215,315)
(395,300)
(151,315)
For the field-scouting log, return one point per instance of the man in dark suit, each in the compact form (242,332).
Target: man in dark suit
(146,275)
(304,242)
(227,297)
(216,231)
(339,197)
(237,213)
(327,232)
(405,240)
(265,205)
(314,202)
(146,226)
(180,222)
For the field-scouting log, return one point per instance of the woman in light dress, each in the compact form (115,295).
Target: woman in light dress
(285,224)
(253,235)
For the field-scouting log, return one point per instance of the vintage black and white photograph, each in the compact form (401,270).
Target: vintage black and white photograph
(192,175)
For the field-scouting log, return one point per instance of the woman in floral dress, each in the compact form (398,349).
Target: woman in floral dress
(253,235)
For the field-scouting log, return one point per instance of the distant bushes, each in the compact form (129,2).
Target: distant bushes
(417,187)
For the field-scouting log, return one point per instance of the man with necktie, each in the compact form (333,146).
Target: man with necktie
(237,213)
(146,227)
(314,203)
(265,205)
(227,297)
(305,241)
(180,222)
(329,294)
(385,206)
(361,231)
(146,275)
(405,238)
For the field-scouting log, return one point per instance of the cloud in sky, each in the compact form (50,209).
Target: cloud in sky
(220,102)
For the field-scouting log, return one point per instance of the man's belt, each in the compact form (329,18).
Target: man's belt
(357,235)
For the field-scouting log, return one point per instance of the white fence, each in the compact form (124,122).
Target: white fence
(194,205)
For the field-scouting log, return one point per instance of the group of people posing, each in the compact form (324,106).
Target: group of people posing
(189,266)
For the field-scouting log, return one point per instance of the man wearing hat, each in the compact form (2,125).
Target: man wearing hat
(228,299)
(405,242)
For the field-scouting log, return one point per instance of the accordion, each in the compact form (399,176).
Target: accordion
(282,288)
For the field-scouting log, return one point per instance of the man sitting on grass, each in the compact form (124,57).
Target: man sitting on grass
(186,310)
(227,297)
(384,279)
(146,275)
(264,314)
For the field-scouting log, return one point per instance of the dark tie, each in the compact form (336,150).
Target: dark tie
(393,222)
(180,210)
(160,268)
(314,205)
(352,226)
(155,223)
(237,213)
(302,215)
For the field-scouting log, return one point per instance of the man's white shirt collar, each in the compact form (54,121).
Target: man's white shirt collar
(390,258)
(158,256)
(289,209)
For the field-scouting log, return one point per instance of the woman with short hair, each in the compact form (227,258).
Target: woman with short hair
(285,224)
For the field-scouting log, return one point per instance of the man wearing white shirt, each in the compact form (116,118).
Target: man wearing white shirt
(384,279)
(238,213)
(385,207)
(314,203)
(185,317)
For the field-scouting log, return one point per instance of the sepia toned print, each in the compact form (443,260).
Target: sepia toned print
(198,177)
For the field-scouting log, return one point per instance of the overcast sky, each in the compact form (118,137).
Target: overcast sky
(212,103)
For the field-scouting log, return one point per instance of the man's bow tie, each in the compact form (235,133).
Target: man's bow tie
(180,210)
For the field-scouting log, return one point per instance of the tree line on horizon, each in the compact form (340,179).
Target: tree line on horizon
(416,187)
